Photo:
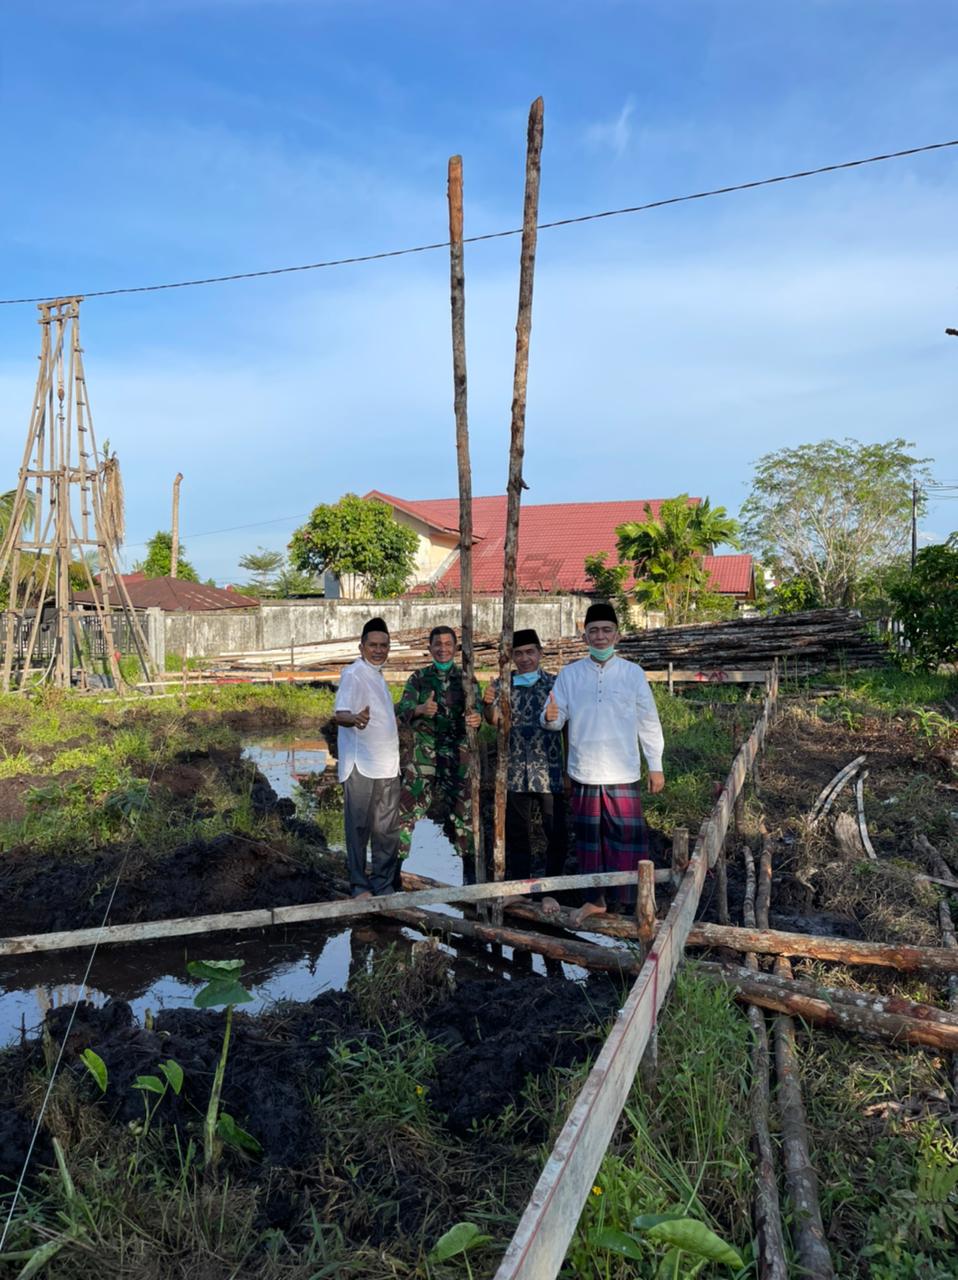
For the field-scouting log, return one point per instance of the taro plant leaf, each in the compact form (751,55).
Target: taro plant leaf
(230,1132)
(458,1239)
(149,1084)
(223,986)
(695,1238)
(619,1242)
(646,1220)
(174,1075)
(96,1067)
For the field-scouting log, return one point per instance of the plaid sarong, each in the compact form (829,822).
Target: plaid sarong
(610,834)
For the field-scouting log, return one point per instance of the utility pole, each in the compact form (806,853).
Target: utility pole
(914,521)
(175,540)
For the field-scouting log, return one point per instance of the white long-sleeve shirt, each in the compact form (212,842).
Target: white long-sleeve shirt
(610,710)
(374,751)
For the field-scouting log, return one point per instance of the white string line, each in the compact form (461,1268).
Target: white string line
(76,1004)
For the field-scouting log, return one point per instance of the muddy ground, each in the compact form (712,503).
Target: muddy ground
(491,1039)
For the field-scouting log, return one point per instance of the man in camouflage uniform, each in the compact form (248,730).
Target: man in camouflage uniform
(435,774)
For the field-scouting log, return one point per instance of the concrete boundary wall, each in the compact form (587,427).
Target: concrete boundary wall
(278,624)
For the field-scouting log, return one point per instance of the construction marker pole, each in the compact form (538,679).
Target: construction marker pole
(514,485)
(457,295)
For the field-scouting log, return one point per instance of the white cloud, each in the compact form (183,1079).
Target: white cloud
(613,134)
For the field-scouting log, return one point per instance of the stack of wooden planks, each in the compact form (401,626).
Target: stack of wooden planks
(818,638)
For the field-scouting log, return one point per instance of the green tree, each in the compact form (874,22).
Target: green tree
(926,603)
(667,552)
(359,541)
(831,513)
(264,566)
(159,559)
(7,501)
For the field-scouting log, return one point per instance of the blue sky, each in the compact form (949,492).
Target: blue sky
(157,140)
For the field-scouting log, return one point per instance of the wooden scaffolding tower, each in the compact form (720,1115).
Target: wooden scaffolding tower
(67,510)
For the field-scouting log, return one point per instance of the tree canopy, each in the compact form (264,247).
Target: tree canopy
(360,541)
(159,559)
(926,603)
(667,550)
(264,566)
(832,513)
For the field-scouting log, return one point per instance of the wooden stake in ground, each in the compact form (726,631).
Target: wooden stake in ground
(808,1233)
(457,294)
(527,264)
(175,537)
(767,1211)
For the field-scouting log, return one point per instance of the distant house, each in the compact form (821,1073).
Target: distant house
(554,540)
(174,595)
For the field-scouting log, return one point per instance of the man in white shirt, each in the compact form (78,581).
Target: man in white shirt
(369,765)
(610,711)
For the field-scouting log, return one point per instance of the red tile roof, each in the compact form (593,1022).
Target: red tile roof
(173,595)
(731,575)
(554,540)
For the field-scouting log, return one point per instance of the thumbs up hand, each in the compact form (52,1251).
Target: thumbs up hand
(489,694)
(362,718)
(552,709)
(429,708)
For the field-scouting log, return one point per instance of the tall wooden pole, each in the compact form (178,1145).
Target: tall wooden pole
(175,537)
(527,264)
(457,293)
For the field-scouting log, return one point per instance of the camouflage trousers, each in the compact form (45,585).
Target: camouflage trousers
(442,794)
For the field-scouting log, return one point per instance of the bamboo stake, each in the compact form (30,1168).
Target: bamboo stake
(766,1208)
(680,854)
(721,888)
(514,485)
(862,824)
(950,941)
(828,795)
(457,293)
(807,1229)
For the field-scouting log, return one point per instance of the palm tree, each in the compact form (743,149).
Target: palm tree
(7,501)
(667,550)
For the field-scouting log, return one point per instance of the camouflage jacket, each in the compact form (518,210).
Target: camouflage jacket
(442,737)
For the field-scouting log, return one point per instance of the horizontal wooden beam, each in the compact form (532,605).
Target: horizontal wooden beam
(318,912)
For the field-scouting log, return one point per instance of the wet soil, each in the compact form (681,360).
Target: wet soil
(492,1037)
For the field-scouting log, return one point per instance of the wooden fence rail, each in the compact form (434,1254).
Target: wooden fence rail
(538,1248)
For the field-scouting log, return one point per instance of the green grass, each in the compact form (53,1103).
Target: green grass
(93,753)
(682,1144)
(880,1152)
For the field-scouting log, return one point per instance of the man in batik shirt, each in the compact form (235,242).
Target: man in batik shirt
(534,779)
(436,771)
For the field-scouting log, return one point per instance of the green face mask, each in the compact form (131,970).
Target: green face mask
(443,666)
(601,655)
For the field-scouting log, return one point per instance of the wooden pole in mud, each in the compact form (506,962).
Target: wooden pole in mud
(527,264)
(766,1208)
(457,294)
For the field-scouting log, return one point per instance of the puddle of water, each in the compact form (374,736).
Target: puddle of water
(295,963)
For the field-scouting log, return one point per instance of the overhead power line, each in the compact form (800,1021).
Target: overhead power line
(492,235)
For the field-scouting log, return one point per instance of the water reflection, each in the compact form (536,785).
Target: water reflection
(291,963)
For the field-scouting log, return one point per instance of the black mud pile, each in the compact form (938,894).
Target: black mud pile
(499,1034)
(41,893)
(493,1035)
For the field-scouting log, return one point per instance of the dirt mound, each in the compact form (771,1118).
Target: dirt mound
(499,1033)
(228,873)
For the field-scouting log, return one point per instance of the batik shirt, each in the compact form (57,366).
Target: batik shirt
(438,744)
(535,755)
